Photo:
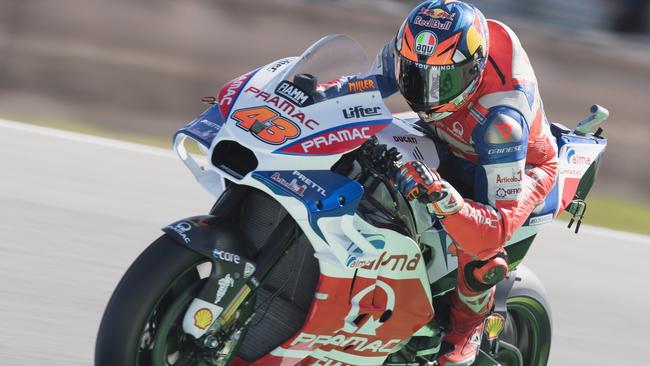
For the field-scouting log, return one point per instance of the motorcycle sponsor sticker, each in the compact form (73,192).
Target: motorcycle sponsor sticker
(291,185)
(516,177)
(294,94)
(203,318)
(395,262)
(266,125)
(226,256)
(298,183)
(311,184)
(426,43)
(508,193)
(343,139)
(539,220)
(249,269)
(406,139)
(357,343)
(181,228)
(359,86)
(289,109)
(229,92)
(224,284)
(279,64)
(572,157)
(361,112)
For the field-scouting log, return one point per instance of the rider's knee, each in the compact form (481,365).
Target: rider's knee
(483,275)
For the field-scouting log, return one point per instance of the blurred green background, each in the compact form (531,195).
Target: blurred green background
(137,70)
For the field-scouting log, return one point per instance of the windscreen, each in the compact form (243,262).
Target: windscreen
(321,65)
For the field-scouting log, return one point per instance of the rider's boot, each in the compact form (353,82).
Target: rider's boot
(470,307)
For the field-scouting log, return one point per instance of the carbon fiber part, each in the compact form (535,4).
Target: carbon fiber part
(283,300)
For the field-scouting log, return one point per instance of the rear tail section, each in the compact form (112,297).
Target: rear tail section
(580,155)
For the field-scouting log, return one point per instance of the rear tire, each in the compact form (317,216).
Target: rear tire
(157,287)
(529,323)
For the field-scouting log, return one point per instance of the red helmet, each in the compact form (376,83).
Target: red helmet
(440,54)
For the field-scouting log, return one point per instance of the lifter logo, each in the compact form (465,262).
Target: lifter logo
(361,112)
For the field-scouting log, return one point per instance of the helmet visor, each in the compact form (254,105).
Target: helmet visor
(428,86)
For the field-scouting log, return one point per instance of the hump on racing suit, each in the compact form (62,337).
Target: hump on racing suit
(500,145)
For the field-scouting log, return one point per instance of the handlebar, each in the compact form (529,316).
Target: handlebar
(380,162)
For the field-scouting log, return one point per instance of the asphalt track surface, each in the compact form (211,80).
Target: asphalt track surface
(76,210)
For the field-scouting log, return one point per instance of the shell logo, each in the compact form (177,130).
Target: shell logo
(494,326)
(203,318)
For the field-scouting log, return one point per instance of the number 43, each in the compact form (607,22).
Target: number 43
(266,124)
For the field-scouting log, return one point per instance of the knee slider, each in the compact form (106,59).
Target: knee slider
(483,275)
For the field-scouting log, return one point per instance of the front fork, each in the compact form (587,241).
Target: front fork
(233,278)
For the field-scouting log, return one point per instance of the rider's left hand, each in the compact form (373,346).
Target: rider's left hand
(417,181)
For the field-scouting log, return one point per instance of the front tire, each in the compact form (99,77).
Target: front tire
(141,325)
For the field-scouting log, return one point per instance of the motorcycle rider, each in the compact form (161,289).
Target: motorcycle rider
(472,85)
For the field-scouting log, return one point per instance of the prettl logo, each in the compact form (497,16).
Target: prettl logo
(425,43)
(310,183)
(361,112)
(573,158)
(294,94)
(335,142)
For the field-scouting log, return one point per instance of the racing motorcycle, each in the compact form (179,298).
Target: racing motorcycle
(309,255)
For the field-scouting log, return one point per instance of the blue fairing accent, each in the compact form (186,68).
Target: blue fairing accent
(550,205)
(205,127)
(490,153)
(324,193)
(565,136)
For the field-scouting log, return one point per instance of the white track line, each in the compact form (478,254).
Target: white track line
(95,140)
(139,148)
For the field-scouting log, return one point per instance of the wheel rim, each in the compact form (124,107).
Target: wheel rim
(163,341)
(529,329)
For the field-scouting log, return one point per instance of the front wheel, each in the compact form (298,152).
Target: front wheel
(526,339)
(142,324)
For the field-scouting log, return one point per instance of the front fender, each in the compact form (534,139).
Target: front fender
(231,278)
(207,233)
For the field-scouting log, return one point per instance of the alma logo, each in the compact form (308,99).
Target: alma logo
(573,158)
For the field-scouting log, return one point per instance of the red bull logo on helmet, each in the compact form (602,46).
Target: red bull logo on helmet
(434,18)
(437,14)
